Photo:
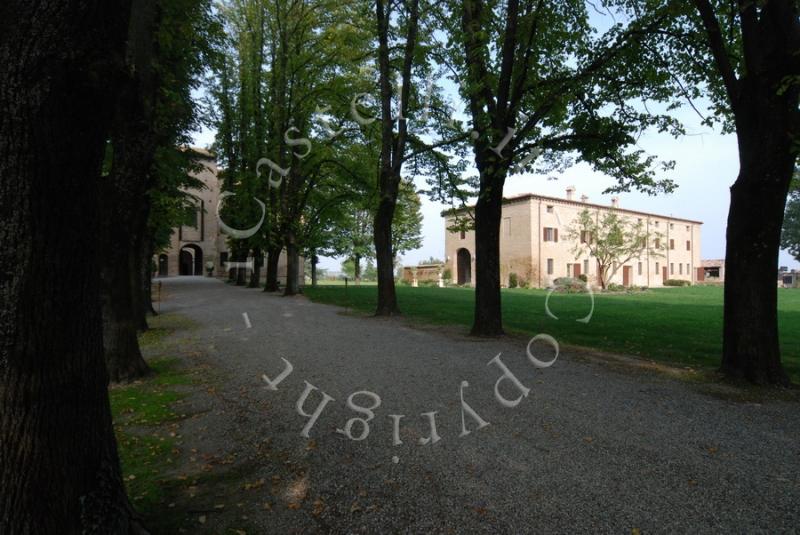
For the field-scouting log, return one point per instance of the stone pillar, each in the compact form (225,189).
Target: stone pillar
(414,283)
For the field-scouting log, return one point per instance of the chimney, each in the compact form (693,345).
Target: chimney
(615,202)
(584,199)
(570,192)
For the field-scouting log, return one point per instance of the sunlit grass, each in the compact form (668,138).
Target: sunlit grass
(681,326)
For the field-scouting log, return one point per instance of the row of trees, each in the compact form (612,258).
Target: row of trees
(543,89)
(97,96)
(97,105)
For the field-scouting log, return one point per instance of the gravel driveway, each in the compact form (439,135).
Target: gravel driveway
(590,449)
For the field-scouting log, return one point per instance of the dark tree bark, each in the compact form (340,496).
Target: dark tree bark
(255,275)
(767,128)
(357,269)
(124,197)
(292,265)
(314,262)
(488,319)
(393,149)
(147,277)
(241,273)
(493,112)
(59,468)
(273,255)
(139,270)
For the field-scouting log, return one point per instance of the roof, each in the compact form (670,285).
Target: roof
(199,151)
(533,196)
(713,263)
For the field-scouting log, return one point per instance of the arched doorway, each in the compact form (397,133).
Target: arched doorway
(463,267)
(190,260)
(163,265)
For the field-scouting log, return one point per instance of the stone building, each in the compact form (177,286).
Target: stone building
(713,270)
(534,244)
(193,248)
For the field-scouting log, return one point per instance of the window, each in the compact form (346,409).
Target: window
(640,221)
(640,268)
(671,268)
(688,270)
(671,243)
(687,228)
(657,268)
(507,226)
(655,223)
(569,270)
(463,234)
(550,234)
(688,245)
(586,236)
(671,226)
(658,243)
(586,267)
(549,266)
(223,259)
(549,208)
(680,269)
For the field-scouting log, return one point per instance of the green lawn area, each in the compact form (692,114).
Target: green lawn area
(675,325)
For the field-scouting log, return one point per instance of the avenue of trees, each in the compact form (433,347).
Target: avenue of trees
(327,111)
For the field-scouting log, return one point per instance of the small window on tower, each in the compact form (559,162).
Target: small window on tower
(463,234)
(549,208)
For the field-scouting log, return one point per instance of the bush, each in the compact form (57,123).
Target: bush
(568,284)
(614,287)
(447,275)
(513,282)
(676,282)
(583,277)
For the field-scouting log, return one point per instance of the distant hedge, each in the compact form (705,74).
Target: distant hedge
(677,282)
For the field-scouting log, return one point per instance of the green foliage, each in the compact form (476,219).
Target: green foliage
(513,281)
(187,35)
(544,69)
(569,284)
(612,239)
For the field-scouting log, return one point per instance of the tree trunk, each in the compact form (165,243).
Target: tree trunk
(273,255)
(124,200)
(292,264)
(255,275)
(139,268)
(59,468)
(241,272)
(147,277)
(488,213)
(750,348)
(120,335)
(314,262)
(384,256)
(357,269)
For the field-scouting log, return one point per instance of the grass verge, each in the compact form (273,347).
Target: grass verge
(677,326)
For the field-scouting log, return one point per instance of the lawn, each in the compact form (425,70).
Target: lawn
(676,325)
